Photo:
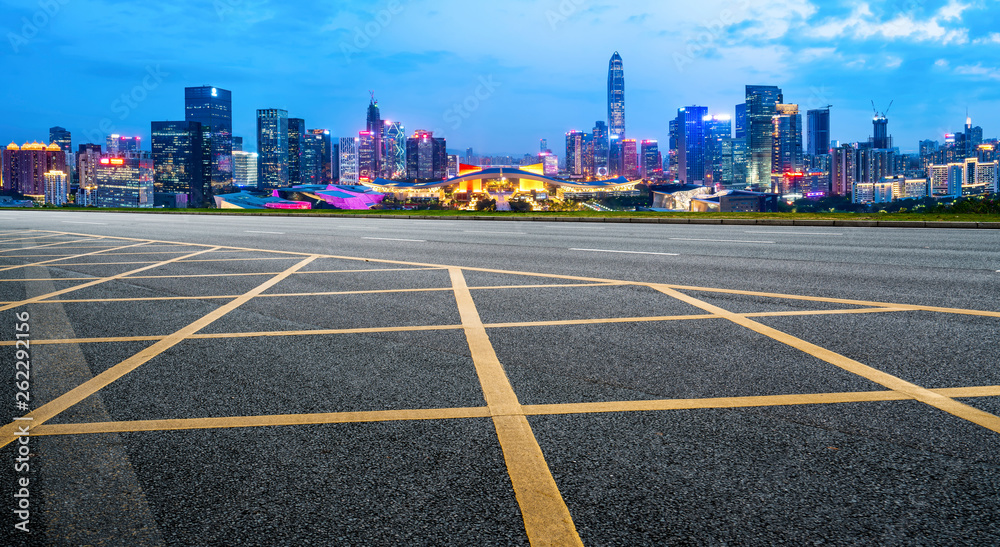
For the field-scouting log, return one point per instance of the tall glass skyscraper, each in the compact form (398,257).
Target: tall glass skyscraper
(394,143)
(296,142)
(819,131)
(375,128)
(761,106)
(348,159)
(272,148)
(600,140)
(328,173)
(691,140)
(312,159)
(787,127)
(178,158)
(575,150)
(616,97)
(212,107)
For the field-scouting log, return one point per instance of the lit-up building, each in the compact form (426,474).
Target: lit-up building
(327,172)
(88,157)
(426,157)
(312,158)
(630,158)
(245,169)
(62,137)
(272,148)
(616,167)
(348,160)
(818,121)
(125,181)
(843,170)
(179,160)
(24,167)
(550,164)
(296,143)
(56,188)
(374,127)
(718,129)
(118,144)
(599,138)
(394,157)
(367,156)
(969,178)
(616,97)
(787,139)
(212,107)
(691,145)
(575,152)
(761,106)
(652,162)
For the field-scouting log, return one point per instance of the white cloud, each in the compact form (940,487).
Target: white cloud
(893,62)
(993,38)
(941,63)
(863,24)
(978,70)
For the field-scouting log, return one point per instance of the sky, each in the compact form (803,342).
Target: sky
(496,76)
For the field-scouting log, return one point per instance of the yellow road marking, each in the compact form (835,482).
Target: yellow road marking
(47,262)
(546,518)
(106,254)
(49,410)
(41,298)
(42,247)
(263,421)
(924,395)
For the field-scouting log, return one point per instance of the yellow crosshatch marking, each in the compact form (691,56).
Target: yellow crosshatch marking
(547,519)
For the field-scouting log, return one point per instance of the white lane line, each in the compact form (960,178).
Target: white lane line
(486,232)
(393,239)
(719,240)
(796,233)
(256,232)
(624,252)
(71,222)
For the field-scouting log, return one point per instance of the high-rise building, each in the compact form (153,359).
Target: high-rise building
(741,121)
(212,107)
(616,97)
(718,128)
(394,158)
(245,169)
(56,188)
(88,157)
(64,139)
(179,161)
(652,164)
(787,139)
(600,144)
(367,156)
(375,127)
(24,167)
(691,141)
(630,159)
(118,144)
(237,145)
(296,141)
(311,171)
(818,131)
(272,148)
(616,166)
(329,174)
(543,146)
(761,106)
(125,181)
(426,156)
(843,170)
(348,160)
(881,140)
(575,152)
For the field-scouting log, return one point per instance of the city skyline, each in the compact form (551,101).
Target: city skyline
(931,58)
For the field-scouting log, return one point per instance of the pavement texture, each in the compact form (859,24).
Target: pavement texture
(314,381)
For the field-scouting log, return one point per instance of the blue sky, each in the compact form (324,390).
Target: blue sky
(517,71)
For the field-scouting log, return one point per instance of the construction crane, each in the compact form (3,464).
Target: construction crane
(884,114)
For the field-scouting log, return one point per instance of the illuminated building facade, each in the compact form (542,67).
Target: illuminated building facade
(616,97)
(652,162)
(426,157)
(691,144)
(313,148)
(394,159)
(327,156)
(761,106)
(367,156)
(600,144)
(787,139)
(56,188)
(630,158)
(245,169)
(179,160)
(616,167)
(272,148)
(88,157)
(125,181)
(212,107)
(348,160)
(575,152)
(24,167)
(118,144)
(62,137)
(843,170)
(718,129)
(375,127)
(296,143)
(818,121)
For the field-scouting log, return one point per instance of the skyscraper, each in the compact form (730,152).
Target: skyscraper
(575,150)
(212,107)
(691,141)
(426,156)
(24,167)
(741,121)
(367,156)
(311,165)
(328,174)
(787,139)
(125,181)
(652,165)
(245,169)
(616,167)
(56,188)
(296,140)
(394,144)
(348,160)
(272,148)
(237,145)
(179,162)
(818,131)
(761,106)
(630,159)
(88,157)
(375,127)
(616,97)
(64,139)
(600,144)
(881,140)
(118,144)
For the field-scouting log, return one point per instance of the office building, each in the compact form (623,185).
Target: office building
(245,170)
(118,144)
(761,106)
(741,121)
(616,97)
(630,159)
(24,167)
(718,128)
(348,160)
(818,131)
(691,140)
(426,157)
(599,138)
(237,144)
(616,167)
(57,188)
(296,141)
(843,170)
(787,139)
(311,166)
(367,156)
(328,156)
(125,181)
(272,148)
(394,144)
(179,161)
(212,107)
(575,153)
(88,157)
(372,164)
(652,162)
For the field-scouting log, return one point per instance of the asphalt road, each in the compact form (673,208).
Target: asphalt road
(837,385)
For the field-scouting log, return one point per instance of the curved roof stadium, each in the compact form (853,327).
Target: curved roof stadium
(500,173)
